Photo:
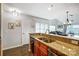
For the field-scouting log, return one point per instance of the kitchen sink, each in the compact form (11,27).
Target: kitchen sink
(46,40)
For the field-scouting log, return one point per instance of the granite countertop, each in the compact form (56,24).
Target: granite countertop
(75,37)
(65,48)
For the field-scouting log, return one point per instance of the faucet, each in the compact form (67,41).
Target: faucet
(47,31)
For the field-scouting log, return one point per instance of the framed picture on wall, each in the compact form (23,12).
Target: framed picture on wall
(10,25)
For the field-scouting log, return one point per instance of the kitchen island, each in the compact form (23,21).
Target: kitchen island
(59,46)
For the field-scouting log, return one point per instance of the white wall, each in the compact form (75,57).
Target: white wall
(12,37)
(28,26)
(41,20)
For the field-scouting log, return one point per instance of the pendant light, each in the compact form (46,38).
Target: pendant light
(68,15)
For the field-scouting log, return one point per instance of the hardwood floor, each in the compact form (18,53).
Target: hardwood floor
(19,51)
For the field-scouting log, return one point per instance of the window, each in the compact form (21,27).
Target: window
(51,28)
(38,27)
(73,29)
(41,27)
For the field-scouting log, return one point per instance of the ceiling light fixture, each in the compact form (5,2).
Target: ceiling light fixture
(68,20)
(50,7)
(14,11)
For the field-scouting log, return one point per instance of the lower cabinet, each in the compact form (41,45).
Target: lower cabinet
(40,49)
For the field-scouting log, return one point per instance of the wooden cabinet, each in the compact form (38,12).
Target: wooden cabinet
(32,44)
(40,49)
(43,49)
(36,48)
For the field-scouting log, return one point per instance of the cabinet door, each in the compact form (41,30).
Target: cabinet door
(43,50)
(36,51)
(36,48)
(40,49)
(43,47)
(36,43)
(43,53)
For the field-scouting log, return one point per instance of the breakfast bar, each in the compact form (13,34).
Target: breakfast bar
(58,45)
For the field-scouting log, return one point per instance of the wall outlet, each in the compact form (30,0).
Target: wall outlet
(74,42)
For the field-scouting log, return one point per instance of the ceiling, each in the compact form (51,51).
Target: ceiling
(41,10)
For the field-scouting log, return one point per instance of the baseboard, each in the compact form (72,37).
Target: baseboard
(14,47)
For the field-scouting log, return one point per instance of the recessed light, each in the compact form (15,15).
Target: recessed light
(49,9)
